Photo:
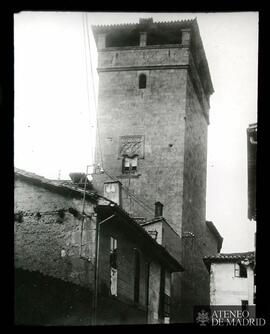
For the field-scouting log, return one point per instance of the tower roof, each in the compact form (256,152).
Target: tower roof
(158,33)
(143,23)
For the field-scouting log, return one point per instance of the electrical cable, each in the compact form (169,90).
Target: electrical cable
(85,39)
(138,201)
(135,198)
(93,87)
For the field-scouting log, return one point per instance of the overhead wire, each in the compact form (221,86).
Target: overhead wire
(135,198)
(93,87)
(87,47)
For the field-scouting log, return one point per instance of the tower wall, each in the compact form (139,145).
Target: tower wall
(195,278)
(156,113)
(171,116)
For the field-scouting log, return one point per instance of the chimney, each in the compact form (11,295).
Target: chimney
(158,209)
(79,180)
(112,191)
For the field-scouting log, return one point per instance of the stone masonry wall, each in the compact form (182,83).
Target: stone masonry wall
(195,278)
(147,56)
(157,113)
(49,244)
(171,115)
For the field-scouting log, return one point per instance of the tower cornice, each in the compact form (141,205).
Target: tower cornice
(141,68)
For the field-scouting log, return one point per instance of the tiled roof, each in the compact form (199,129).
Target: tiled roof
(105,27)
(230,256)
(57,185)
(170,260)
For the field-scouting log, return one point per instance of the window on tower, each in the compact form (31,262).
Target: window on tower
(142,81)
(130,165)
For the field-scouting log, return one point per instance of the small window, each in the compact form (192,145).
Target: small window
(240,270)
(130,165)
(113,265)
(136,276)
(142,81)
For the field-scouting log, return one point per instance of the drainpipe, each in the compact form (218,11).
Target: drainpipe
(94,320)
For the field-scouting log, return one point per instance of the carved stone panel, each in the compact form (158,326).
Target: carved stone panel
(131,146)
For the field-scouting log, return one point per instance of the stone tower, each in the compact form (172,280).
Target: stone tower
(154,89)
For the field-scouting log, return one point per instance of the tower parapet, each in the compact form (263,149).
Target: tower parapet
(177,42)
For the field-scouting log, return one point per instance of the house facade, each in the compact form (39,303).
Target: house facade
(231,279)
(80,259)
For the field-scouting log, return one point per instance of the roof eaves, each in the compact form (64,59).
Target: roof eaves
(136,24)
(158,219)
(225,258)
(174,263)
(230,256)
(42,181)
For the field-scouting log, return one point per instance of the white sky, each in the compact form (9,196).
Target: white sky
(55,126)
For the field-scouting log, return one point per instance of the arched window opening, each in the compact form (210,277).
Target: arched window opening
(142,81)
